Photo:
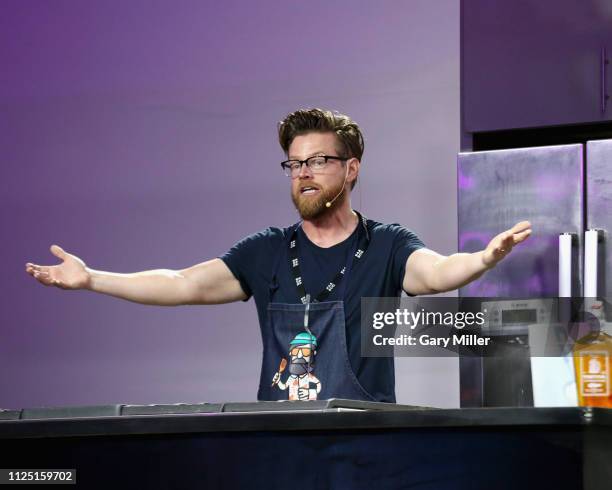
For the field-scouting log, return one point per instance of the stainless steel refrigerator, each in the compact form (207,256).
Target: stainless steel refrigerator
(566,193)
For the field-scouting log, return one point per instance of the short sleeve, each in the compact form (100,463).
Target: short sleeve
(405,242)
(247,255)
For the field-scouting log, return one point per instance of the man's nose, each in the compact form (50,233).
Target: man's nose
(305,171)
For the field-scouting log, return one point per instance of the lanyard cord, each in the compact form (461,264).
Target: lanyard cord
(307,310)
(361,247)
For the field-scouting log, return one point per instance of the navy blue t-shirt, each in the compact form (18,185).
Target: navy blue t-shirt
(380,272)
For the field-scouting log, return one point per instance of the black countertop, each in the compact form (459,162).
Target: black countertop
(280,416)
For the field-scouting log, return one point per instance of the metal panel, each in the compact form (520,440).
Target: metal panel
(497,189)
(599,208)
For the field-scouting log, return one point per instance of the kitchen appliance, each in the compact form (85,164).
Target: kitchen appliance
(566,193)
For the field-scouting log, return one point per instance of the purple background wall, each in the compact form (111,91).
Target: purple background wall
(141,135)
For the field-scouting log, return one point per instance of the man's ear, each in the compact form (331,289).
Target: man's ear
(354,165)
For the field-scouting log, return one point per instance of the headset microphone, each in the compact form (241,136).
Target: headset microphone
(329,203)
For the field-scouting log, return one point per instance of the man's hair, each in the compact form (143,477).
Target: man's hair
(305,121)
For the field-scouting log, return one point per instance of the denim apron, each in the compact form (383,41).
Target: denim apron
(305,355)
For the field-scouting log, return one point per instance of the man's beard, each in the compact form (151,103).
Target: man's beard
(300,367)
(313,207)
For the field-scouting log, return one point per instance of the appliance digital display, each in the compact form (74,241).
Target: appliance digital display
(518,316)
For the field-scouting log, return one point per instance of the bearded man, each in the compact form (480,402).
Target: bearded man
(309,277)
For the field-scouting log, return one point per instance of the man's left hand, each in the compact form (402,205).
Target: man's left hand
(502,244)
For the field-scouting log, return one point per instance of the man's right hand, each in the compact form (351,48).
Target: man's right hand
(70,274)
(207,283)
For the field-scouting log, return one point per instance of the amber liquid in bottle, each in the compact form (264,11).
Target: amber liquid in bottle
(592,364)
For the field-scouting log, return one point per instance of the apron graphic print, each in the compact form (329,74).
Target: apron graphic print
(301,382)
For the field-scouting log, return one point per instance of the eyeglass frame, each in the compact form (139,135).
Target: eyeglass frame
(286,168)
(301,348)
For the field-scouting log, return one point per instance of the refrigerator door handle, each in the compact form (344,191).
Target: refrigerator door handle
(591,243)
(566,241)
(603,63)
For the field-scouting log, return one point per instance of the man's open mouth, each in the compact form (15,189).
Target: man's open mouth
(309,190)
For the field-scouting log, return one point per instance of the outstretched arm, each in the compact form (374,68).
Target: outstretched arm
(428,272)
(210,282)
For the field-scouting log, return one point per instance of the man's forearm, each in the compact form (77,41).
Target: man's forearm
(161,287)
(457,270)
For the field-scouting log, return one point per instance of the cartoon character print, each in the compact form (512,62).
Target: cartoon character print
(301,383)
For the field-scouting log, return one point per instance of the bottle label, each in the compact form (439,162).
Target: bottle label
(594,374)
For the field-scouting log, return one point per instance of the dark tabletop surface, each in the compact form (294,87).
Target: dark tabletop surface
(277,416)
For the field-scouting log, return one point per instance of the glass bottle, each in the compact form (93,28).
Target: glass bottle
(592,363)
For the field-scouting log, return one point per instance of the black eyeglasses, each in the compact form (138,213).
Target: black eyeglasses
(316,164)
